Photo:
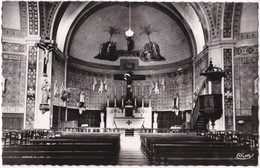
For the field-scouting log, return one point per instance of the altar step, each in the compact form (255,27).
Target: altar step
(129,132)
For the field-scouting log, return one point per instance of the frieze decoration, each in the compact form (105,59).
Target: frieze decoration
(228,16)
(31,86)
(237,18)
(33,18)
(249,35)
(11,109)
(228,88)
(23,16)
(246,51)
(13,47)
(214,14)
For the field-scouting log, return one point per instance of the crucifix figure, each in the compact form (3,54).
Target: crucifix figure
(47,46)
(129,77)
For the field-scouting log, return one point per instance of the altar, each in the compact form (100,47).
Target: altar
(116,118)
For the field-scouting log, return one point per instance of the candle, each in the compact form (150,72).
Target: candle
(142,101)
(115,101)
(150,102)
(122,101)
(107,101)
(135,102)
(122,90)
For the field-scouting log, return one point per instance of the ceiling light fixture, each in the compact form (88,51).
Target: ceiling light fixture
(129,32)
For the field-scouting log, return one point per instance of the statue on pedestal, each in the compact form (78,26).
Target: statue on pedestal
(46,88)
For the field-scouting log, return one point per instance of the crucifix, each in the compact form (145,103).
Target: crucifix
(47,46)
(129,77)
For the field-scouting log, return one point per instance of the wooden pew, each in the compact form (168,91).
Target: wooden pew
(66,150)
(183,149)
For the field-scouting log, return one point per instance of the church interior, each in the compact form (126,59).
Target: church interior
(129,83)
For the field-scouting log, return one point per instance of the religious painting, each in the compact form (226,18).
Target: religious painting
(150,51)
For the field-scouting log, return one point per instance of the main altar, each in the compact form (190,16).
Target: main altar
(141,118)
(128,116)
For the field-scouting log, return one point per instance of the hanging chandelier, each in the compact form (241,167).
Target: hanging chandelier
(129,32)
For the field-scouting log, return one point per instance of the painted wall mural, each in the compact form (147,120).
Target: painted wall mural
(246,72)
(228,89)
(158,89)
(58,74)
(150,51)
(14,70)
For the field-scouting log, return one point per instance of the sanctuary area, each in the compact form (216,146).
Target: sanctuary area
(129,83)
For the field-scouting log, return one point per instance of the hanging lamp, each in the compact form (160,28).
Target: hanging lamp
(129,32)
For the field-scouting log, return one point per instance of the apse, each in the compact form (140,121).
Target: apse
(87,37)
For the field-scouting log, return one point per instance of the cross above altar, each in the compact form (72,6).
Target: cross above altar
(129,77)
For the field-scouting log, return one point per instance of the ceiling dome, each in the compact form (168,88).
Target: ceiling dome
(85,41)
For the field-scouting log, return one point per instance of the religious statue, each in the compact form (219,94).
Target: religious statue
(155,124)
(156,89)
(3,84)
(105,83)
(94,83)
(175,102)
(100,90)
(155,115)
(128,79)
(82,97)
(56,89)
(130,43)
(46,88)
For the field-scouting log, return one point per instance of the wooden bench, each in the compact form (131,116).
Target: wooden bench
(65,150)
(183,149)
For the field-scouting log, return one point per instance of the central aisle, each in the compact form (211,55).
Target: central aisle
(130,151)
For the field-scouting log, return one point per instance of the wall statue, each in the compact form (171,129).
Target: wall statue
(46,90)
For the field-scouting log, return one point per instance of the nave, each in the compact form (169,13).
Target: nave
(117,147)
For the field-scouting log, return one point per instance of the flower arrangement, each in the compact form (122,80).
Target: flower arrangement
(65,95)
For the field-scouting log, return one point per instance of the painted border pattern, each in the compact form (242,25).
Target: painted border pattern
(33,18)
(228,89)
(228,15)
(31,86)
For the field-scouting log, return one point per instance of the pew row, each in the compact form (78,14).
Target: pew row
(188,149)
(65,150)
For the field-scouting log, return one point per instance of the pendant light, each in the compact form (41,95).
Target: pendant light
(129,32)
